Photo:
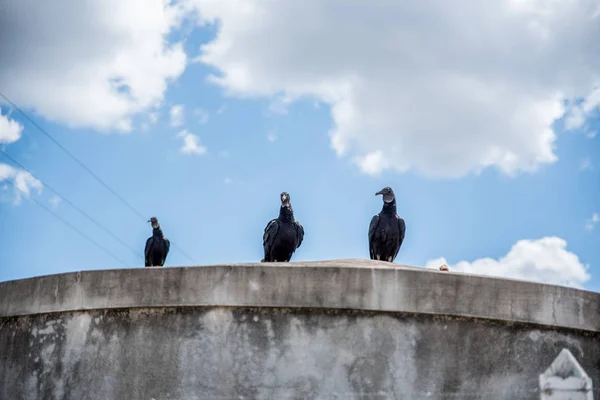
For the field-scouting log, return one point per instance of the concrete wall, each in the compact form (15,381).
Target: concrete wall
(339,329)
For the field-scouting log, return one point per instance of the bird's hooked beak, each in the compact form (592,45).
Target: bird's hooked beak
(154,222)
(388,196)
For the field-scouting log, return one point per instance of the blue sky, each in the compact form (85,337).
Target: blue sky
(214,204)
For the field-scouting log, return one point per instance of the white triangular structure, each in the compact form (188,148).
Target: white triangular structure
(565,380)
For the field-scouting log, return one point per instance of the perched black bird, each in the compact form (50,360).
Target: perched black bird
(157,246)
(283,235)
(387,229)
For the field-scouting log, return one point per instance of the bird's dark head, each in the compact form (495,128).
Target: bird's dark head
(387,193)
(154,222)
(285,199)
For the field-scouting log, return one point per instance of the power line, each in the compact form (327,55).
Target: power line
(183,252)
(82,165)
(94,221)
(55,215)
(77,160)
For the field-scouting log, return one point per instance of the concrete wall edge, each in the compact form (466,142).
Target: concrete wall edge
(337,284)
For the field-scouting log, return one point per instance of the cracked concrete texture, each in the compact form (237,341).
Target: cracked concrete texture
(335,284)
(335,329)
(275,353)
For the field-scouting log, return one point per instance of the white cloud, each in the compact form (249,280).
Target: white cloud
(443,89)
(222,109)
(202,115)
(575,119)
(153,117)
(22,181)
(580,113)
(591,223)
(591,134)
(176,114)
(55,201)
(10,130)
(372,163)
(545,260)
(586,164)
(272,136)
(191,144)
(280,105)
(227,181)
(89,63)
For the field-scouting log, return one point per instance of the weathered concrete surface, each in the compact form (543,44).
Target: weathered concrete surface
(339,329)
(268,353)
(339,284)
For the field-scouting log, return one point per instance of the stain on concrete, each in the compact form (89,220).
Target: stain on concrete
(266,353)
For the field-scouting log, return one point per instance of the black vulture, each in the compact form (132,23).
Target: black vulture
(157,246)
(387,229)
(282,235)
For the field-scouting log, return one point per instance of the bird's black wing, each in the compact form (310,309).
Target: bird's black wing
(167,246)
(300,232)
(269,235)
(372,229)
(402,226)
(147,250)
(402,232)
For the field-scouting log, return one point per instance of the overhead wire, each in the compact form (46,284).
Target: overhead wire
(77,160)
(55,215)
(86,168)
(70,203)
